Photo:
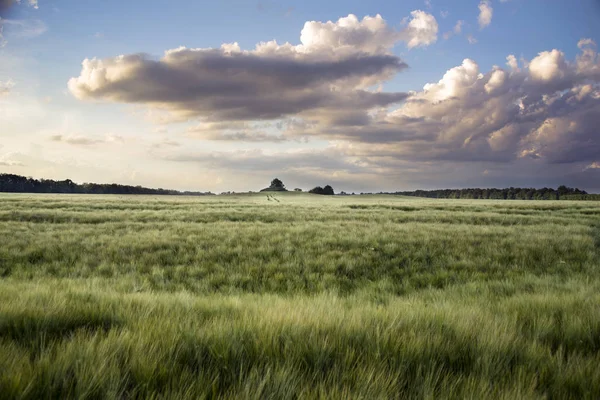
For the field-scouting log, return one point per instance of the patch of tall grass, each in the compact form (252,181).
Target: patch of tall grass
(61,340)
(309,297)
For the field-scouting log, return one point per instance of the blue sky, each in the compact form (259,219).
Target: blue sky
(157,130)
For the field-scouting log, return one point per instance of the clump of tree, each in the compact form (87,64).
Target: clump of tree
(20,184)
(276,186)
(327,190)
(563,192)
(589,197)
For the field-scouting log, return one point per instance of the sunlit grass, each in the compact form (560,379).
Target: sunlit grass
(312,296)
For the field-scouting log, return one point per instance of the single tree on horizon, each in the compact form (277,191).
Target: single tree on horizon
(277,183)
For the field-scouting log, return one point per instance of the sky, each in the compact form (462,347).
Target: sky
(364,96)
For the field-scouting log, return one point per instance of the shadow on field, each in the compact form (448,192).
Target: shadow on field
(32,326)
(37,322)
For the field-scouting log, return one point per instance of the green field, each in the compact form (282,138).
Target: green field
(299,296)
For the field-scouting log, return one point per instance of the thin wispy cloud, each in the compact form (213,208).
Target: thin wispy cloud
(456,30)
(83,140)
(18,28)
(24,28)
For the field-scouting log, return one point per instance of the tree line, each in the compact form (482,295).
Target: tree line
(512,193)
(21,184)
(594,197)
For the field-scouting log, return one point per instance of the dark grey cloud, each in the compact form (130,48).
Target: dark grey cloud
(218,85)
(332,71)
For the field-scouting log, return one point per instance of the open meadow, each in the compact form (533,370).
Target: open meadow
(298,296)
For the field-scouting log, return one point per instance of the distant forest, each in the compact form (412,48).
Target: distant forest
(21,184)
(562,193)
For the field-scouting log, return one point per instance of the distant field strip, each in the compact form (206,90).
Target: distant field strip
(311,296)
(304,244)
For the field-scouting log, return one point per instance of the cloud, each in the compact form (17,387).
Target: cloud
(6,6)
(457,30)
(166,143)
(10,163)
(74,140)
(369,35)
(112,138)
(27,28)
(331,71)
(239,131)
(485,13)
(217,85)
(336,165)
(305,168)
(302,160)
(421,31)
(81,140)
(512,62)
(10,160)
(6,87)
(471,39)
(594,165)
(548,66)
(23,28)
(458,27)
(547,111)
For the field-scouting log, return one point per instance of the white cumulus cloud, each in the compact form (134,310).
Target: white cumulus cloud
(548,66)
(421,31)
(547,110)
(485,13)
